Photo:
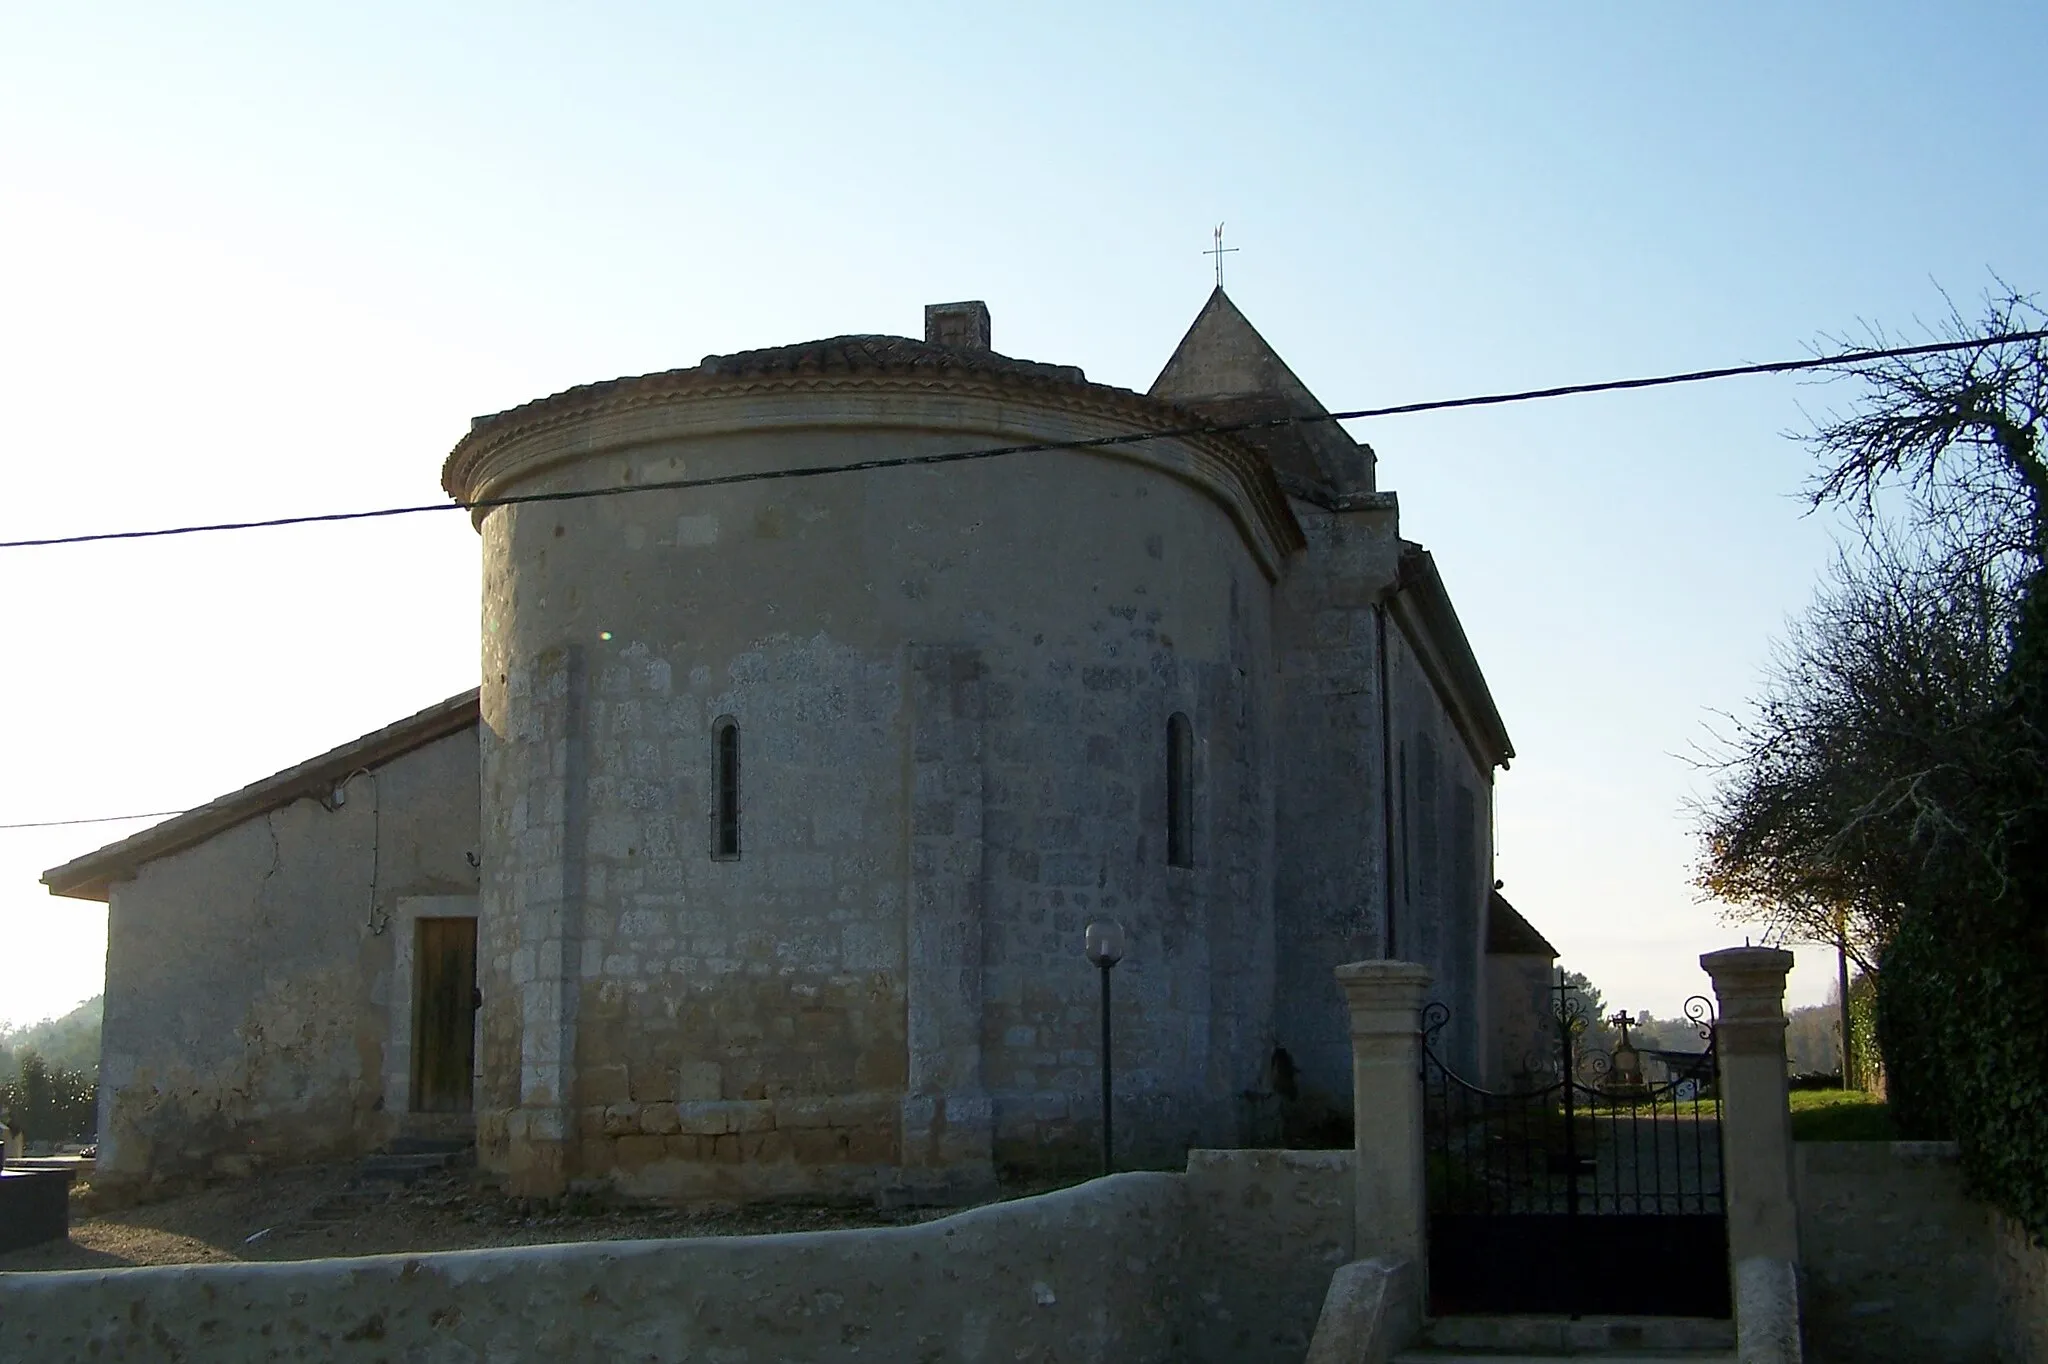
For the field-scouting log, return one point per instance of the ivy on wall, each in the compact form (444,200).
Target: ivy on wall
(1962,1016)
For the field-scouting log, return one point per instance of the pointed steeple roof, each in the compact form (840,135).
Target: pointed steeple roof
(1224,370)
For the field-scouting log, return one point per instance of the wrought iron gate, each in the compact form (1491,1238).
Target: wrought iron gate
(1591,1190)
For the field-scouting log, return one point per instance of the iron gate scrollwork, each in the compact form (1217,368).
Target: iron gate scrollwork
(1589,1190)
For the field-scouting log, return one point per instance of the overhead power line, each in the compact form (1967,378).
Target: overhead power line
(97,819)
(1091,443)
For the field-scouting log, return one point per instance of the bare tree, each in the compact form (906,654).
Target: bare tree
(1891,756)
(1963,433)
(1879,766)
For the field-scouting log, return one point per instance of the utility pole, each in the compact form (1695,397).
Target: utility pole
(1842,980)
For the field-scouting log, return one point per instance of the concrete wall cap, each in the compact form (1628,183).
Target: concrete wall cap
(1384,996)
(1736,961)
(1384,970)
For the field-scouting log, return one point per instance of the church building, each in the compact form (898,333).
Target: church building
(828,693)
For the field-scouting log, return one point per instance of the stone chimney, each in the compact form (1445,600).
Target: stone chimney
(962,326)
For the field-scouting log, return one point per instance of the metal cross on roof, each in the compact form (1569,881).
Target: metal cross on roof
(1219,251)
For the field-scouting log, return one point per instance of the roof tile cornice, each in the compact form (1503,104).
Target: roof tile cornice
(479,467)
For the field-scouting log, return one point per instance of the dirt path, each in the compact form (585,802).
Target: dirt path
(312,1213)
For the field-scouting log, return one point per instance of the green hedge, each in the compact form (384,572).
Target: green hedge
(1962,1014)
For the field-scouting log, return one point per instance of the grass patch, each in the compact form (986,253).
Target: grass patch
(1840,1115)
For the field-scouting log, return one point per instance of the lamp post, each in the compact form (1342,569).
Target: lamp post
(1104,944)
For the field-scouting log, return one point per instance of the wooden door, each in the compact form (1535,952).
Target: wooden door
(444,1015)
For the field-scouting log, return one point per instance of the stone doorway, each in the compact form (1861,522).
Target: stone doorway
(444,1015)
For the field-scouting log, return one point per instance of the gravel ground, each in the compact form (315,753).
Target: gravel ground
(315,1212)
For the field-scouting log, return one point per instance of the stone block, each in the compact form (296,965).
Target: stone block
(820,1145)
(932,816)
(606,1085)
(705,1119)
(883,1068)
(660,1119)
(763,1147)
(805,1113)
(637,1151)
(735,1115)
(596,1155)
(653,1082)
(871,1146)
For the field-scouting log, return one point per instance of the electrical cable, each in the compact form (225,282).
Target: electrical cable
(1849,358)
(97,819)
(1484,400)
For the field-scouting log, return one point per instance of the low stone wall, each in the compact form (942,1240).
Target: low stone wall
(1265,1231)
(1229,1261)
(2019,1271)
(1089,1273)
(1901,1264)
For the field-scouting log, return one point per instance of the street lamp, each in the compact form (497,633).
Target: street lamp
(1104,944)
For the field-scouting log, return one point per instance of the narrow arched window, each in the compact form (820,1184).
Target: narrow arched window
(1180,791)
(725,824)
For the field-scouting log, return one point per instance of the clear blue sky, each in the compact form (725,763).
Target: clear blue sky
(266,260)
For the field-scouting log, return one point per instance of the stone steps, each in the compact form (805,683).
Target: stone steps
(1618,1340)
(380,1175)
(424,1146)
(1605,1357)
(405,1168)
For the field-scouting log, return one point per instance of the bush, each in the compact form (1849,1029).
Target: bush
(1815,1079)
(49,1103)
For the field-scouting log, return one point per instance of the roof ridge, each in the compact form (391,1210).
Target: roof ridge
(881,351)
(87,877)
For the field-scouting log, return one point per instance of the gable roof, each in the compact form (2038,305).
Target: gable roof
(1224,370)
(1509,934)
(888,354)
(1422,605)
(88,877)
(832,355)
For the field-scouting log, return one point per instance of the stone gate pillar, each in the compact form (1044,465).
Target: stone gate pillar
(1386,1104)
(1756,1151)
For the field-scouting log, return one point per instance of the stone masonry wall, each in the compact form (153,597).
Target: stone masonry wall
(951,688)
(1443,852)
(1330,886)
(249,977)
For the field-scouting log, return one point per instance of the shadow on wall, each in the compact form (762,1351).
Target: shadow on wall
(1298,1119)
